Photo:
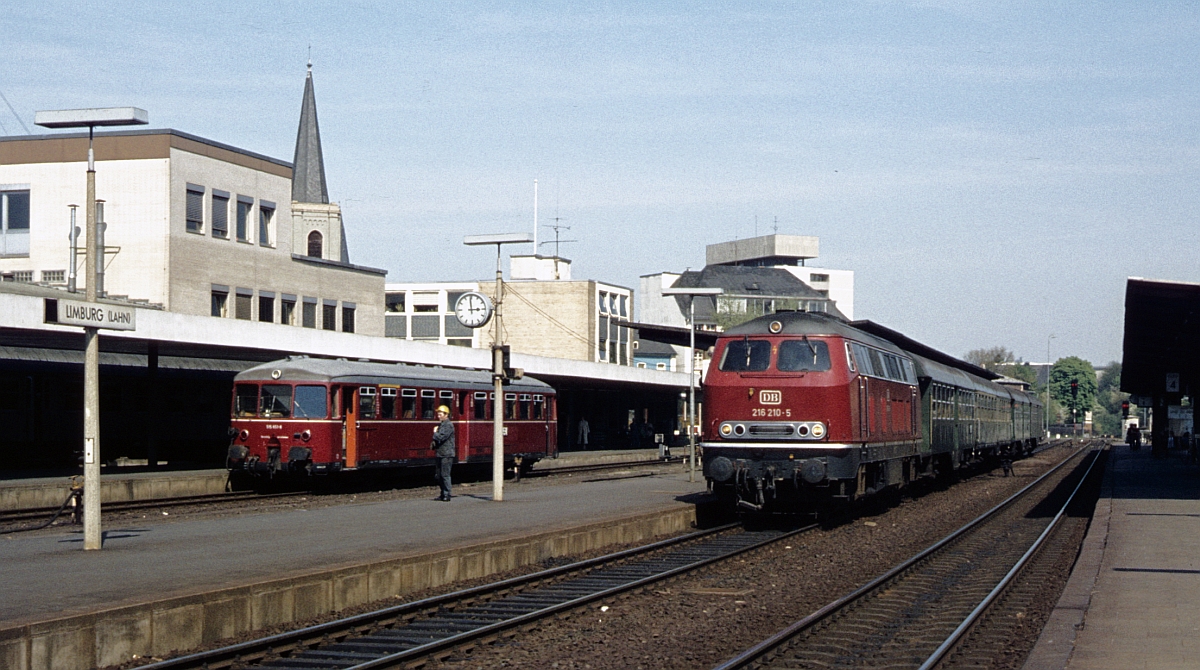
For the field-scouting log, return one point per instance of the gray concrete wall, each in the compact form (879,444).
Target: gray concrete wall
(159,627)
(42,493)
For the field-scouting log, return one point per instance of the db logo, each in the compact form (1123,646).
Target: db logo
(770,397)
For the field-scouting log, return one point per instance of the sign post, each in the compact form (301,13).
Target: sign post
(691,293)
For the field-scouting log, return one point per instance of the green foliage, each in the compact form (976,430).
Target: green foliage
(1066,370)
(1108,390)
(1105,422)
(990,358)
(1022,371)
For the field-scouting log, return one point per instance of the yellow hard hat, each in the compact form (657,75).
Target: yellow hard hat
(444,410)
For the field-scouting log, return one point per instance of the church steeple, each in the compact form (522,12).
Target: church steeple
(308,172)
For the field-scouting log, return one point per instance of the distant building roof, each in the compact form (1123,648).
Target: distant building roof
(308,180)
(766,250)
(745,282)
(651,347)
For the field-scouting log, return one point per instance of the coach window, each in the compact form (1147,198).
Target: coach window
(428,402)
(447,398)
(747,355)
(539,407)
(480,402)
(310,402)
(245,400)
(366,402)
(387,402)
(803,356)
(408,403)
(524,406)
(510,405)
(276,401)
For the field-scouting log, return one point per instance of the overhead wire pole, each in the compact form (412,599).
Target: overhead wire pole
(691,293)
(93,257)
(498,371)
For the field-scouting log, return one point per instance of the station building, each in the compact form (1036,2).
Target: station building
(191,225)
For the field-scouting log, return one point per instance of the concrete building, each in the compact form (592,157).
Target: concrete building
(192,225)
(583,320)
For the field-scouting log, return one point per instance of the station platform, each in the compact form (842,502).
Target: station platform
(160,585)
(1133,598)
(130,484)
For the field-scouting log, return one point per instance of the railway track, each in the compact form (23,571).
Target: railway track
(432,628)
(953,604)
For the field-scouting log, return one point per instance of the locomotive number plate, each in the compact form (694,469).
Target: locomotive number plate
(770,397)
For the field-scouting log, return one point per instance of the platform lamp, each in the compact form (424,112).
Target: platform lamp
(692,293)
(498,371)
(90,118)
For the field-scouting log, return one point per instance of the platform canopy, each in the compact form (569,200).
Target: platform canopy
(1162,338)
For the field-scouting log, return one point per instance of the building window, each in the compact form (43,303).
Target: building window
(660,366)
(309,316)
(287,310)
(395,302)
(643,365)
(220,214)
(14,223)
(329,315)
(54,276)
(426,327)
(816,278)
(243,218)
(243,304)
(195,208)
(314,244)
(395,325)
(220,302)
(266,218)
(20,276)
(266,307)
(347,317)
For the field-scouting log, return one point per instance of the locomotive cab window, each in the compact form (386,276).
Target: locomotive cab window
(310,402)
(276,401)
(747,355)
(803,356)
(245,400)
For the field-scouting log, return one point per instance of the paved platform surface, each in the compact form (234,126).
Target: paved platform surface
(50,574)
(1133,600)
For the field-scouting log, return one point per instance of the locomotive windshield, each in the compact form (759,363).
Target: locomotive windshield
(746,355)
(310,402)
(276,400)
(803,356)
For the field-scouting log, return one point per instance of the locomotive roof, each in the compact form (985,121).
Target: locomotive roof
(810,323)
(367,372)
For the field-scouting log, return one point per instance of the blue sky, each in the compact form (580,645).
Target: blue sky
(992,172)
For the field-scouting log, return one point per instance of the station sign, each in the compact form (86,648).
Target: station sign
(89,314)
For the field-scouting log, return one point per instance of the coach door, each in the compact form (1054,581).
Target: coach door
(350,425)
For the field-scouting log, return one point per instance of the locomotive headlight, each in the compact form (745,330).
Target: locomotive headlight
(244,435)
(306,435)
(739,430)
(726,429)
(818,430)
(802,430)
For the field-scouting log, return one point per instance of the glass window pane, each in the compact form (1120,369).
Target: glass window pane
(276,400)
(747,356)
(310,402)
(245,400)
(803,355)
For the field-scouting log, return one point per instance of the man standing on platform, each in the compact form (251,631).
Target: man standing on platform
(443,444)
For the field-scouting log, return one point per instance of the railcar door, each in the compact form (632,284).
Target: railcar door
(350,425)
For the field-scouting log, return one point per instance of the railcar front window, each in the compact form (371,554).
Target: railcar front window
(747,356)
(310,402)
(276,401)
(245,400)
(803,356)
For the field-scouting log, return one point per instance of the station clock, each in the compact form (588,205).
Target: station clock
(473,309)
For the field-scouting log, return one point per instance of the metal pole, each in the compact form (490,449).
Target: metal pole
(91,377)
(692,388)
(74,237)
(498,385)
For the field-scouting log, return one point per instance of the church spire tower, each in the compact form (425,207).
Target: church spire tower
(317,228)
(308,173)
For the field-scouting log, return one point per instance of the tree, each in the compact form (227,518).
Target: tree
(1073,369)
(991,357)
(1022,371)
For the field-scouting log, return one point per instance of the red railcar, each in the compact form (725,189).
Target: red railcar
(804,407)
(319,416)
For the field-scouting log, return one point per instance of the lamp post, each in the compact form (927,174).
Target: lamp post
(90,118)
(498,372)
(691,293)
(1049,367)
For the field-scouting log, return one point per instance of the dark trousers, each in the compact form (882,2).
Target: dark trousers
(442,474)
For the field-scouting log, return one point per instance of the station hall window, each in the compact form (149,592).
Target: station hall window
(309,315)
(14,223)
(220,214)
(220,302)
(266,307)
(244,206)
(266,218)
(287,310)
(347,318)
(195,209)
(329,315)
(243,305)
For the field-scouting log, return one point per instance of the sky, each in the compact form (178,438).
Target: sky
(992,172)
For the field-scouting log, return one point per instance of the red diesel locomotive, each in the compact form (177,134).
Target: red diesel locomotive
(320,416)
(802,408)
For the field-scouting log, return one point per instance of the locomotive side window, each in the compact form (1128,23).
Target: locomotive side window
(850,359)
(310,402)
(276,401)
(366,402)
(387,402)
(747,355)
(480,403)
(408,403)
(803,356)
(428,402)
(245,400)
(893,367)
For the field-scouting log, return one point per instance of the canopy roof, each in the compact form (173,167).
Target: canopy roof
(1162,336)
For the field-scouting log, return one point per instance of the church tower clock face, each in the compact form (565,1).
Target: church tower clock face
(473,309)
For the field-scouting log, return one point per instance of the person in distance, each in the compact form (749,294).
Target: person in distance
(443,445)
